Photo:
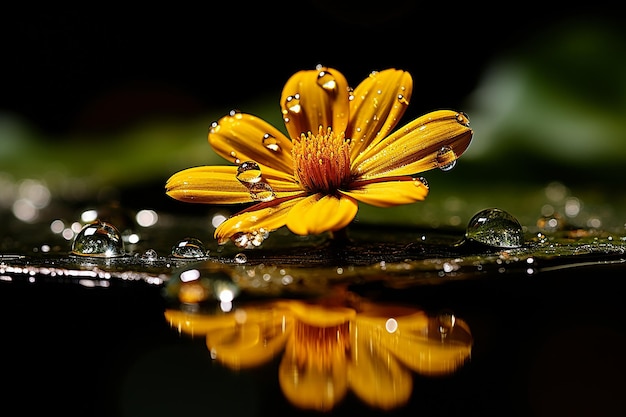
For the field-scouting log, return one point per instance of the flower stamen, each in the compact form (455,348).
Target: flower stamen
(322,160)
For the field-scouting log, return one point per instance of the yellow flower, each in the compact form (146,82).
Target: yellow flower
(340,150)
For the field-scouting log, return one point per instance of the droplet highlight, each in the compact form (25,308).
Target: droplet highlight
(495,227)
(98,239)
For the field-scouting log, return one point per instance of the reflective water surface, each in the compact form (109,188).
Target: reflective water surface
(490,319)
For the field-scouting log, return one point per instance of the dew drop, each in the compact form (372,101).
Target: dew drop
(463,119)
(188,248)
(402,99)
(237,114)
(292,103)
(271,143)
(326,80)
(248,173)
(495,227)
(99,239)
(446,158)
(150,255)
(420,182)
(233,154)
(261,191)
(241,258)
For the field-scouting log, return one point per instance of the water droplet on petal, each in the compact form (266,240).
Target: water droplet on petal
(248,173)
(99,239)
(420,182)
(271,143)
(495,227)
(188,248)
(463,119)
(424,181)
(292,103)
(237,114)
(261,191)
(402,99)
(326,80)
(446,158)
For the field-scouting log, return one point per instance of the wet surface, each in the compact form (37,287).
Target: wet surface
(154,327)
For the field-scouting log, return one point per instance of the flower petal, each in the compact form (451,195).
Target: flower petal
(417,147)
(268,216)
(315,98)
(379,103)
(321,213)
(241,137)
(387,193)
(219,185)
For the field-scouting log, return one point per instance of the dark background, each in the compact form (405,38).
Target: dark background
(98,69)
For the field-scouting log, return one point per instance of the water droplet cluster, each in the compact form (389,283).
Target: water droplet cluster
(250,240)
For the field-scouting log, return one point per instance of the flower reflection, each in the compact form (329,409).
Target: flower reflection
(331,346)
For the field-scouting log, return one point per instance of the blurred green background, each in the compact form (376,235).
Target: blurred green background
(106,105)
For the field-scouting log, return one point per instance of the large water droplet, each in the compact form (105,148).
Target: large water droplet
(446,158)
(188,248)
(261,191)
(495,227)
(249,172)
(99,239)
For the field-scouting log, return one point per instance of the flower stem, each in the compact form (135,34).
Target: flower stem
(339,237)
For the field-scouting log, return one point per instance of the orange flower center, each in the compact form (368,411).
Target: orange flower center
(322,161)
(321,347)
